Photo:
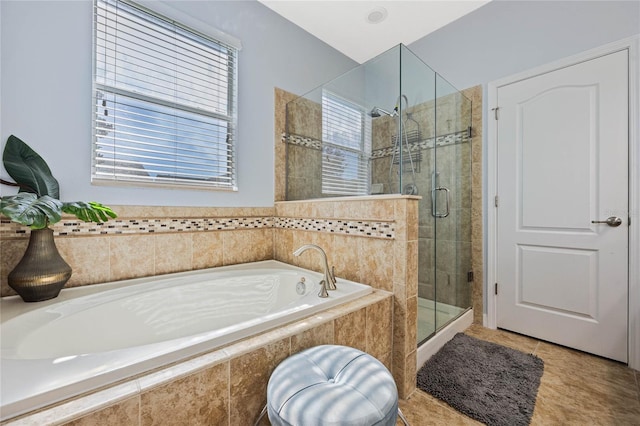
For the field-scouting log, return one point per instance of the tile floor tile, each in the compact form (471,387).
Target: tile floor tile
(576,388)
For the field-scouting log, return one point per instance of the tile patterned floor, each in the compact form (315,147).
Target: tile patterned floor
(575,389)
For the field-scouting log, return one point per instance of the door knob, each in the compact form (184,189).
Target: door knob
(611,221)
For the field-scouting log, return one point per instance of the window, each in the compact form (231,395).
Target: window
(164,101)
(346,147)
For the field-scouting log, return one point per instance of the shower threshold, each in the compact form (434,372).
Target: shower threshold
(457,320)
(429,322)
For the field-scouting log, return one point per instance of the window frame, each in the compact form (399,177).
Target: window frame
(227,179)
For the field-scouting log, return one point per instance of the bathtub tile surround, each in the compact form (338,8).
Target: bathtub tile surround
(386,264)
(146,241)
(192,238)
(195,399)
(224,387)
(122,413)
(356,255)
(247,390)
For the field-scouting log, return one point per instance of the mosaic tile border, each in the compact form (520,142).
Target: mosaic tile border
(144,226)
(429,143)
(346,227)
(364,228)
(444,140)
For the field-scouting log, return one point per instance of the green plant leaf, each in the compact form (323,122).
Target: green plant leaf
(89,212)
(28,209)
(28,169)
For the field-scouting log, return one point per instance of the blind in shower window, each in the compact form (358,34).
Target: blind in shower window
(346,147)
(164,101)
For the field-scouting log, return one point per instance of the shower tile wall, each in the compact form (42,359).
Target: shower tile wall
(304,159)
(435,128)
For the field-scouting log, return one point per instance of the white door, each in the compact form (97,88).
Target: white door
(562,145)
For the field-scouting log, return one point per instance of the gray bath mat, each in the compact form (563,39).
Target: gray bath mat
(490,383)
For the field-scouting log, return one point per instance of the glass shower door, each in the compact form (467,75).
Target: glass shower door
(451,203)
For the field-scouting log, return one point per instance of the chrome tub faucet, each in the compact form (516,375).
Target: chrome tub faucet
(329,280)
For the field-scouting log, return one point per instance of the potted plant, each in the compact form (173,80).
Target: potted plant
(42,272)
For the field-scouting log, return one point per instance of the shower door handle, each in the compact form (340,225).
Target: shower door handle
(434,211)
(611,221)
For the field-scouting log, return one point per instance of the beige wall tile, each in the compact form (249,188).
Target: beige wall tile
(379,338)
(88,258)
(123,413)
(321,335)
(207,249)
(173,252)
(400,261)
(11,253)
(400,332)
(285,209)
(199,399)
(399,376)
(410,342)
(131,256)
(283,245)
(376,257)
(261,244)
(412,268)
(249,376)
(345,257)
(387,360)
(412,219)
(400,208)
(351,330)
(410,374)
(382,210)
(236,247)
(352,209)
(323,210)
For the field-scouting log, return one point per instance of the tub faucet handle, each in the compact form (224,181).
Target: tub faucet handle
(331,285)
(323,289)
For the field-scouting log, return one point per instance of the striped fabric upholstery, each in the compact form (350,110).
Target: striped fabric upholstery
(332,385)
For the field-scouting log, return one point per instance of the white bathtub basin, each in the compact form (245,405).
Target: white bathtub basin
(91,336)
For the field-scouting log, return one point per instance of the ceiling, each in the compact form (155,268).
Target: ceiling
(363,29)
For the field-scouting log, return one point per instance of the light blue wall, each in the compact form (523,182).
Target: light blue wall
(502,38)
(45,92)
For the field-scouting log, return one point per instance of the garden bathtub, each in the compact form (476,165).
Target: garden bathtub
(95,335)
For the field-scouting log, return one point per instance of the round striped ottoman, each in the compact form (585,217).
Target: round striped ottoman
(332,385)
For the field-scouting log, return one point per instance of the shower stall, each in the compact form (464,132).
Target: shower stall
(393,125)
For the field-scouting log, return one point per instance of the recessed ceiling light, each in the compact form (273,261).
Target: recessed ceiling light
(377,15)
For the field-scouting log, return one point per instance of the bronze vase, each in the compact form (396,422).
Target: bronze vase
(42,272)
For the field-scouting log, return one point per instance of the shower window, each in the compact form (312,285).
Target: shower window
(346,146)
(164,110)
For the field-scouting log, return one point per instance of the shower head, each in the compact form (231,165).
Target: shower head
(378,112)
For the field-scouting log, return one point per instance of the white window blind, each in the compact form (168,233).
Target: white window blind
(346,147)
(164,101)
